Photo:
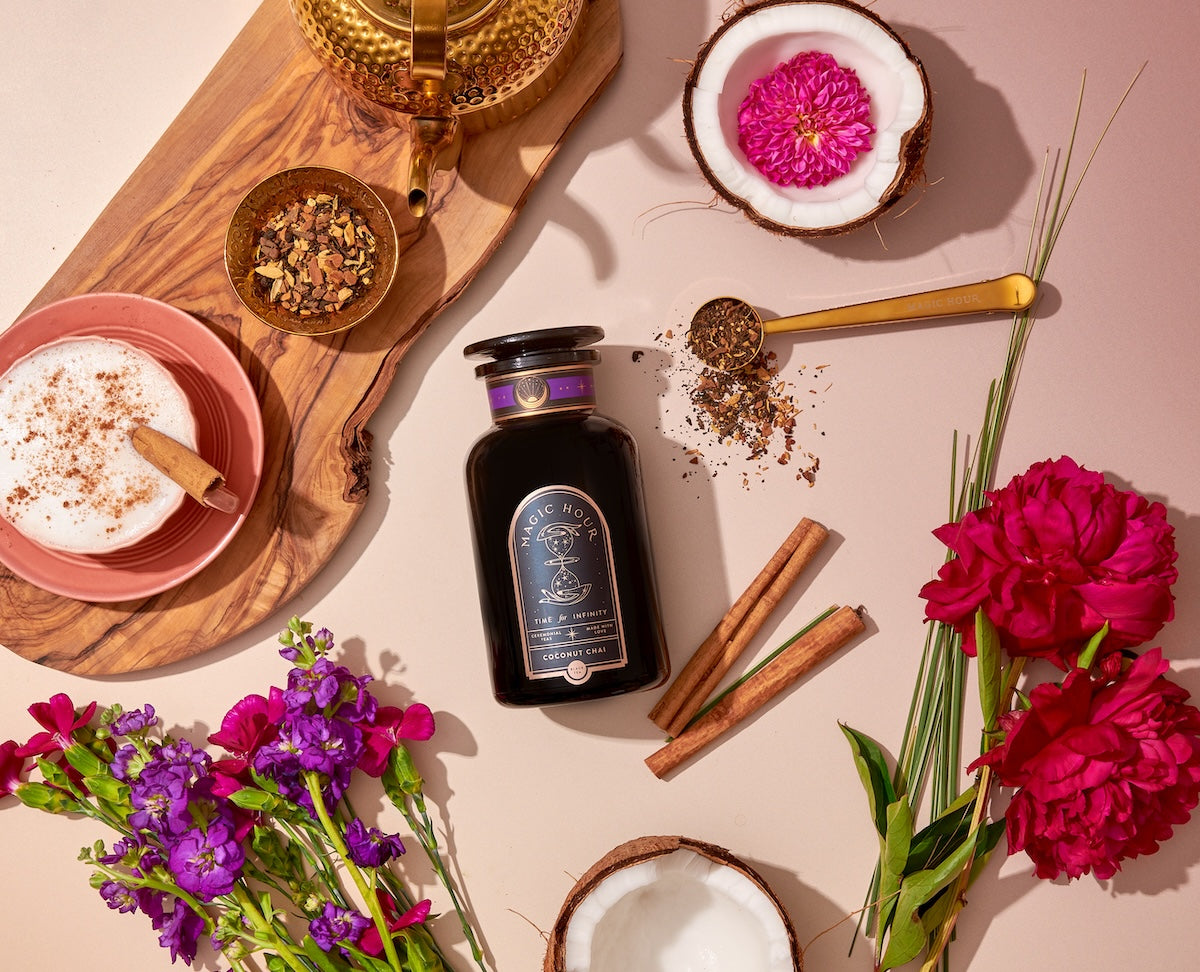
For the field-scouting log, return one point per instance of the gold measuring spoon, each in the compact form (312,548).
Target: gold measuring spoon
(727,333)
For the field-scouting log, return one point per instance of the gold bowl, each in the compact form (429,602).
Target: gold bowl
(273,195)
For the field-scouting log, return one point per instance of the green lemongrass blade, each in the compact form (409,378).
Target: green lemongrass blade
(953,471)
(762,664)
(911,740)
(1092,155)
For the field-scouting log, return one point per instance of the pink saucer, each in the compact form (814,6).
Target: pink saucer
(230,436)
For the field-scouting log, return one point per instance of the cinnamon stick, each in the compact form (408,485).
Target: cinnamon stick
(173,459)
(717,653)
(806,652)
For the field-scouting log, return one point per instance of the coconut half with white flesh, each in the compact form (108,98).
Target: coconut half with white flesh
(749,46)
(666,904)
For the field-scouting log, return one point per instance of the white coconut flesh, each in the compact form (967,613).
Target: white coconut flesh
(751,47)
(678,912)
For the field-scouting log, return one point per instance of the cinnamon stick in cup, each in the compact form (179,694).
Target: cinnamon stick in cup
(716,655)
(199,480)
(805,653)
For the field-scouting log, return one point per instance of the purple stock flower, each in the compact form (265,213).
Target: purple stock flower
(118,897)
(160,802)
(330,687)
(135,854)
(207,862)
(178,929)
(182,754)
(371,847)
(312,744)
(337,927)
(127,762)
(136,720)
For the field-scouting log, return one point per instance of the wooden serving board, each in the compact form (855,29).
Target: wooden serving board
(267,105)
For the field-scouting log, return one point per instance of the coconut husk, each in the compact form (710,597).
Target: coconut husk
(913,145)
(636,851)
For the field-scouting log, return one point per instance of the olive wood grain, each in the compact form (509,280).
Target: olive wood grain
(267,105)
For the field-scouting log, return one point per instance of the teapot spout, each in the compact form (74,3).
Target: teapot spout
(435,143)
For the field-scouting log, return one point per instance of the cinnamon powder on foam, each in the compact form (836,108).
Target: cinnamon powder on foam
(69,476)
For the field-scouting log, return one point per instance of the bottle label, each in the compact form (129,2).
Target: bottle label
(540,392)
(564,580)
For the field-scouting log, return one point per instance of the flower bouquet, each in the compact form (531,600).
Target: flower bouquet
(259,850)
(1060,572)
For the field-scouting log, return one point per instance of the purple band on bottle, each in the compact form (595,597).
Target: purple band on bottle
(540,392)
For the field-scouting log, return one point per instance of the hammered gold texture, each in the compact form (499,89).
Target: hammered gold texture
(503,56)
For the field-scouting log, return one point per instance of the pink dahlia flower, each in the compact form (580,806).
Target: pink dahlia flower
(1053,556)
(805,122)
(1105,767)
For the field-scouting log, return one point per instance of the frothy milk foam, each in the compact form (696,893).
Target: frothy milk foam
(70,478)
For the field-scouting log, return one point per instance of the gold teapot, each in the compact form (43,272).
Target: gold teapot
(443,66)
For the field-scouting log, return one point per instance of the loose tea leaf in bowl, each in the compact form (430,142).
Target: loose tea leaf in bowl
(315,256)
(300,239)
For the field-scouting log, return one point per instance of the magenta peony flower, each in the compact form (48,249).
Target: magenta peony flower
(805,122)
(1105,767)
(1053,556)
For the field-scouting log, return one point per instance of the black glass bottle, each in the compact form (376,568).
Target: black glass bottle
(562,553)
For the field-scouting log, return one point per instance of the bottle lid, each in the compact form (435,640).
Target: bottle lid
(536,349)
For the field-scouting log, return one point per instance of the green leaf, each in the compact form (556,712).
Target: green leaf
(908,935)
(372,964)
(319,958)
(989,660)
(420,957)
(898,837)
(873,771)
(1088,655)
(939,838)
(893,860)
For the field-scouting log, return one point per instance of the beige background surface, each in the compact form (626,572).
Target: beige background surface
(621,233)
